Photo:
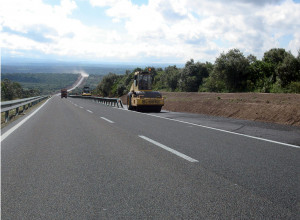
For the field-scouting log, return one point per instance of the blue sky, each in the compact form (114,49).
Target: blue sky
(146,31)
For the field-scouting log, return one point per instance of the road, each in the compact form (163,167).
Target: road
(82,77)
(77,159)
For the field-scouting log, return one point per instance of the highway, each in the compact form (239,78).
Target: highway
(77,159)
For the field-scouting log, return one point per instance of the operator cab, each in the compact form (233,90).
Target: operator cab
(86,89)
(143,81)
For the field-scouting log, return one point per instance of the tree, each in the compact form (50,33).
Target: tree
(192,76)
(105,87)
(172,74)
(160,81)
(259,76)
(13,90)
(121,89)
(213,83)
(274,57)
(233,69)
(128,79)
(7,92)
(251,58)
(288,70)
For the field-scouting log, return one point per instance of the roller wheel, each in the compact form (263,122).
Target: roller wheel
(158,109)
(129,106)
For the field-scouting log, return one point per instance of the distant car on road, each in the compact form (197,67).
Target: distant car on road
(64,93)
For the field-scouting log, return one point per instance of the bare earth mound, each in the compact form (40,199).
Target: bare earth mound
(275,108)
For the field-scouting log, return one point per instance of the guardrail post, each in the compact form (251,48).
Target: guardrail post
(121,104)
(6,116)
(17,111)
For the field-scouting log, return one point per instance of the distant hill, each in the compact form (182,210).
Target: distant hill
(68,67)
(63,68)
(44,83)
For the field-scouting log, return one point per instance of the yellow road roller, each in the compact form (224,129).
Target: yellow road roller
(141,97)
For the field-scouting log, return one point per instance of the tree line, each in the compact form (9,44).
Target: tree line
(23,85)
(277,72)
(13,90)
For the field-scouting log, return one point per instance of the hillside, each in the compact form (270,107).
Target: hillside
(43,82)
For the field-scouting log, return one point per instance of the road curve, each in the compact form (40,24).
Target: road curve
(77,159)
(83,76)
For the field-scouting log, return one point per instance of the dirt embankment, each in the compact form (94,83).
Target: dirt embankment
(275,108)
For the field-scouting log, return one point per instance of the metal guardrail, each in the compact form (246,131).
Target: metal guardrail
(107,101)
(16,104)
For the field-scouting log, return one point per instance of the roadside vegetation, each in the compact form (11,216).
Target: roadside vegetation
(23,85)
(13,90)
(277,72)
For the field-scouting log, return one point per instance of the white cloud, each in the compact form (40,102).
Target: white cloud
(253,27)
(161,29)
(294,45)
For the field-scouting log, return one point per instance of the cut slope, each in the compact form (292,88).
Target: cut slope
(275,108)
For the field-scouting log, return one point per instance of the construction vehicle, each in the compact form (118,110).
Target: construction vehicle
(141,97)
(64,93)
(86,91)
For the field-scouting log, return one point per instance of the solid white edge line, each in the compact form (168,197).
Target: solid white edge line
(230,132)
(221,130)
(89,111)
(169,149)
(11,130)
(107,120)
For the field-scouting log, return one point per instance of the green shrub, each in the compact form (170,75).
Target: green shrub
(294,87)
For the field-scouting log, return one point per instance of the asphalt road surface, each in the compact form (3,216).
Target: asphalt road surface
(77,159)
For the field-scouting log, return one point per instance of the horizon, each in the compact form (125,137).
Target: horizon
(76,67)
(21,61)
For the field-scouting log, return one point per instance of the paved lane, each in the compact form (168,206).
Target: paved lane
(84,160)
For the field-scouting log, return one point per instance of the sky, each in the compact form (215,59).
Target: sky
(145,31)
